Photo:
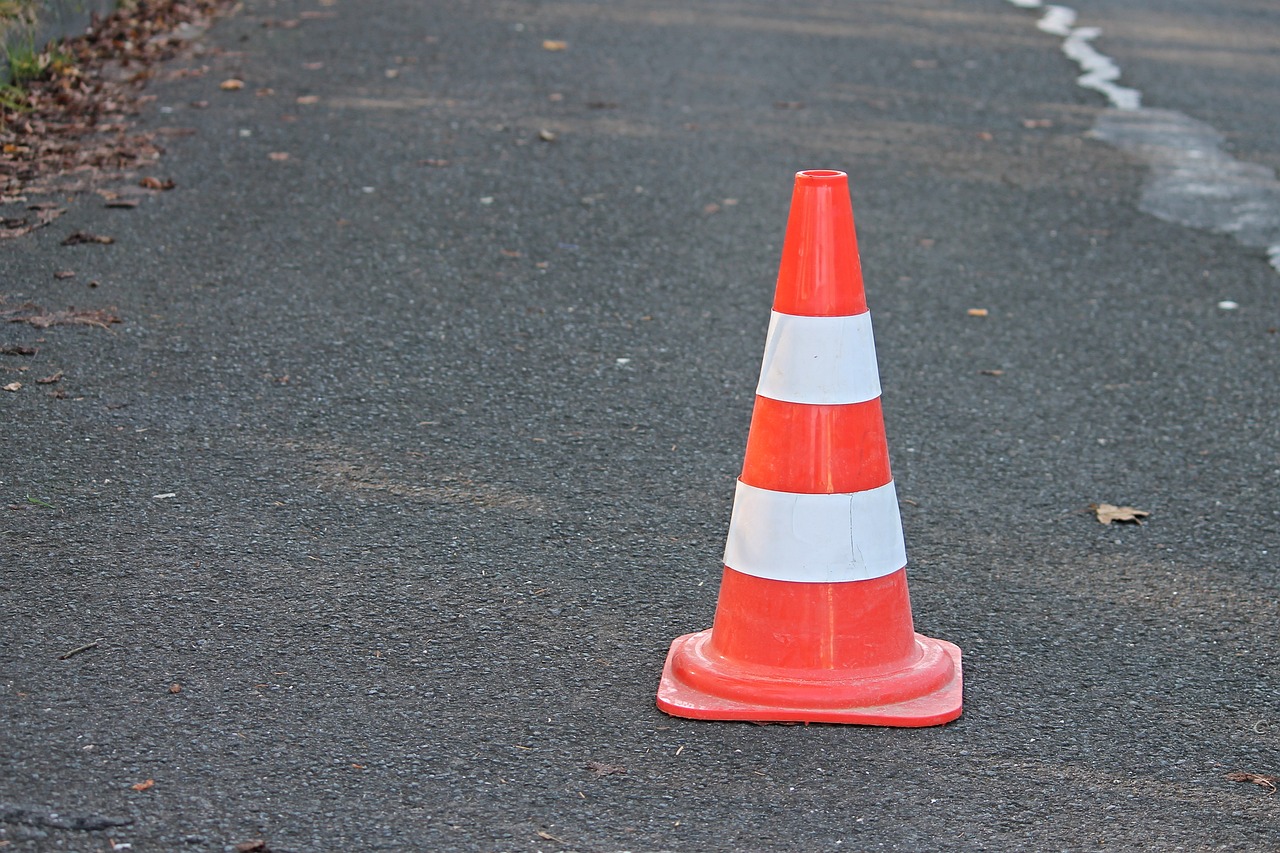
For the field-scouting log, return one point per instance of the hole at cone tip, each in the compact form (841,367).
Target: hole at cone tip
(821,173)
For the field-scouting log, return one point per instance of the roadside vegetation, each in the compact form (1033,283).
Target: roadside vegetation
(65,108)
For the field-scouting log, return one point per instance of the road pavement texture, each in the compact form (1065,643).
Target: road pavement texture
(374,518)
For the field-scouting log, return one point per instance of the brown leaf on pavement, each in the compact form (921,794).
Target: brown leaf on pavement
(1107,513)
(41,318)
(157,183)
(1268,782)
(81,237)
(144,786)
(17,226)
(51,378)
(601,769)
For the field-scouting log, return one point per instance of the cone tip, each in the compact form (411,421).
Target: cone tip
(821,176)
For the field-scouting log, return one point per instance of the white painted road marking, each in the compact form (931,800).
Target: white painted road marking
(1191,181)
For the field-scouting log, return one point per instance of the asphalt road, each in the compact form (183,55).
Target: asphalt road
(415,447)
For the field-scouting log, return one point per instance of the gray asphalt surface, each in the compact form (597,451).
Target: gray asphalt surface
(448,416)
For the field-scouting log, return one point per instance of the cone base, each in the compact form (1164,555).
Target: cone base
(926,693)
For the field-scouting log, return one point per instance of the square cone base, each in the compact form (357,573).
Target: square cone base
(748,695)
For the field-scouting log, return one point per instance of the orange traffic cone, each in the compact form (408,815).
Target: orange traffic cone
(814,621)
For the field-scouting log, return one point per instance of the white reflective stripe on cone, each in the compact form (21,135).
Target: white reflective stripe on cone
(819,360)
(809,538)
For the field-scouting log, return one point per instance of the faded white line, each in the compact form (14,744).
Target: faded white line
(1191,180)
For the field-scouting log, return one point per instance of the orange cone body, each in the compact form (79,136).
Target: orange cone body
(814,621)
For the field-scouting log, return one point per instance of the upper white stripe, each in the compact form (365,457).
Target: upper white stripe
(810,538)
(819,360)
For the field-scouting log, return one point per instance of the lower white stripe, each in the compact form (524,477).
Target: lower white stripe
(819,360)
(810,538)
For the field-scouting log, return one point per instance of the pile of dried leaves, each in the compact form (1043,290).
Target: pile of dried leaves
(73,121)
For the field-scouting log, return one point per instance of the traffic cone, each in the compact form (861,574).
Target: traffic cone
(814,621)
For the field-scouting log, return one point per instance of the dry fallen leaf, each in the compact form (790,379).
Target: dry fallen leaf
(1107,513)
(51,378)
(143,786)
(41,318)
(547,135)
(157,183)
(16,227)
(255,846)
(978,312)
(552,44)
(1268,782)
(231,85)
(307,99)
(80,237)
(601,769)
(13,386)
(278,156)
